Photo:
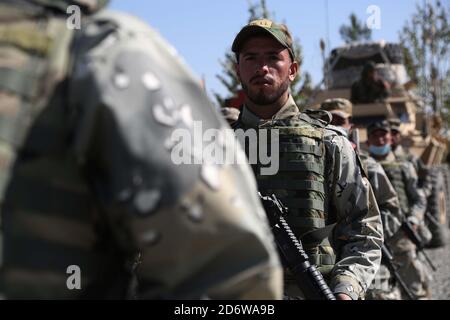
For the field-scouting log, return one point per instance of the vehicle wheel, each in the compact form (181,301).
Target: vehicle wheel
(437,208)
(446,170)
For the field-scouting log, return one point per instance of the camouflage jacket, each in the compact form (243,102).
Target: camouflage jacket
(423,172)
(358,234)
(401,155)
(385,195)
(94,184)
(416,196)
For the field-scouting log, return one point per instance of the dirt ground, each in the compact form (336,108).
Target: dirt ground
(441,278)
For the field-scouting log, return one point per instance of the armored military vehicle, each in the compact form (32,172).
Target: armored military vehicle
(420,128)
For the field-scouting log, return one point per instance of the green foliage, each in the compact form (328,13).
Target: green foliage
(426,38)
(301,87)
(228,78)
(356,31)
(258,10)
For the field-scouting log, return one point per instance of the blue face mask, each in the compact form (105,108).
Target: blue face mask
(380,151)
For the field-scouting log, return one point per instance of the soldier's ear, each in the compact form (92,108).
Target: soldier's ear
(293,70)
(236,69)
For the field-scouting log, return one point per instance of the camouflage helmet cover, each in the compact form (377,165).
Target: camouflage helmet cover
(395,124)
(338,106)
(382,125)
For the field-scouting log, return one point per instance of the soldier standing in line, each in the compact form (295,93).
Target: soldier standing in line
(412,204)
(423,173)
(332,208)
(382,287)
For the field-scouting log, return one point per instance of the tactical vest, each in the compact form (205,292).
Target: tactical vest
(396,176)
(363,159)
(42,187)
(300,185)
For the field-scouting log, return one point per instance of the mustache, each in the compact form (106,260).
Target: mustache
(261,78)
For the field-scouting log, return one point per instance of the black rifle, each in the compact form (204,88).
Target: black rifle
(412,234)
(387,260)
(431,218)
(291,251)
(354,137)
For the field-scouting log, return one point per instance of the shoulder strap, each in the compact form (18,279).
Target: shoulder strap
(319,115)
(313,117)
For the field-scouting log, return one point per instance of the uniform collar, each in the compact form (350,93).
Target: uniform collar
(288,111)
(399,151)
(389,158)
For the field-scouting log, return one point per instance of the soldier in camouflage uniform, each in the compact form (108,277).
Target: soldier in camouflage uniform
(332,208)
(401,154)
(341,111)
(423,172)
(87,178)
(370,87)
(412,204)
(382,288)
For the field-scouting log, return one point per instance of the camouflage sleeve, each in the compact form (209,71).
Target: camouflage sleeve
(418,201)
(198,226)
(358,235)
(386,197)
(423,175)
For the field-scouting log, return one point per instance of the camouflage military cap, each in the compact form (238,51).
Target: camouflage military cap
(338,106)
(379,125)
(395,124)
(279,32)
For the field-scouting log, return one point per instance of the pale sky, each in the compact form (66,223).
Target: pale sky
(203,30)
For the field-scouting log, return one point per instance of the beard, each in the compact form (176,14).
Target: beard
(264,97)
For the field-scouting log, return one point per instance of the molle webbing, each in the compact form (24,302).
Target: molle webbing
(300,186)
(395,174)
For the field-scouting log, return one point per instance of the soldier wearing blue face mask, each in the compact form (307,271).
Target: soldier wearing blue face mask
(383,287)
(403,177)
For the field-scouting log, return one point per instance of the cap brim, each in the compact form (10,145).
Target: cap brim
(249,31)
(341,114)
(377,129)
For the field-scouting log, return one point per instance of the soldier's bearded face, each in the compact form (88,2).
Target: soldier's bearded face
(265,69)
(396,138)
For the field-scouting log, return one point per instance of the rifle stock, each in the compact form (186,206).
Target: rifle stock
(412,234)
(387,259)
(354,137)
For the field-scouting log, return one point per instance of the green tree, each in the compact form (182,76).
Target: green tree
(356,31)
(258,10)
(426,38)
(301,87)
